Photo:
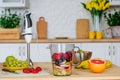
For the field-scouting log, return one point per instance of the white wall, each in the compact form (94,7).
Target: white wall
(61,16)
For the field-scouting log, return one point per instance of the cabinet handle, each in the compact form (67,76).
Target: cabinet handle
(23,51)
(23,1)
(19,51)
(113,50)
(109,50)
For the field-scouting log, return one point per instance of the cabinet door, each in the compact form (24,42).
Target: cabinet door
(99,50)
(44,52)
(13,3)
(22,51)
(7,50)
(115,2)
(116,53)
(40,52)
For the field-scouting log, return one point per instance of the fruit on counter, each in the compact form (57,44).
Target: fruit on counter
(62,63)
(108,64)
(10,58)
(80,51)
(83,64)
(13,64)
(32,70)
(97,65)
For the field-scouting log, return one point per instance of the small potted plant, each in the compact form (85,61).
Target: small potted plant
(113,21)
(9,23)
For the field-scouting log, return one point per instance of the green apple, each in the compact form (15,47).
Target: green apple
(10,58)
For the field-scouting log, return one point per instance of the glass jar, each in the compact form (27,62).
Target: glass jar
(61,55)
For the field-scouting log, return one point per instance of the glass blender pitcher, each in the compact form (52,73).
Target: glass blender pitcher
(61,55)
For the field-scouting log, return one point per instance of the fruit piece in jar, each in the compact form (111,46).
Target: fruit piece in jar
(62,70)
(56,56)
(62,63)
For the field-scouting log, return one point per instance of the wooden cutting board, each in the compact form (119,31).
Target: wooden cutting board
(42,28)
(21,74)
(82,28)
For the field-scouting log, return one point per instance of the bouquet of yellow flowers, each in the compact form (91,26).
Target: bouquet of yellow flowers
(96,7)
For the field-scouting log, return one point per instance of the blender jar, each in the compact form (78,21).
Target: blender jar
(61,55)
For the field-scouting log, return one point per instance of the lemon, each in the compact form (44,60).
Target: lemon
(108,64)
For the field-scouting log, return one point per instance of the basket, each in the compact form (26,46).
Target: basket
(9,33)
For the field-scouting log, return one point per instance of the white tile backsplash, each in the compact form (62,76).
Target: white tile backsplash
(61,16)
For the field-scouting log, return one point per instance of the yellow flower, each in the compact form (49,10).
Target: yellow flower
(107,5)
(96,6)
(99,8)
(88,6)
(92,4)
(99,1)
(94,0)
(103,2)
(102,5)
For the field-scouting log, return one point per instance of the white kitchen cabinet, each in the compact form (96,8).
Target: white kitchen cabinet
(108,51)
(40,52)
(22,51)
(99,50)
(115,2)
(16,50)
(115,53)
(14,3)
(44,52)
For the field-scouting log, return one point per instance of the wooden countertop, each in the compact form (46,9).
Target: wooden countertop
(62,41)
(112,73)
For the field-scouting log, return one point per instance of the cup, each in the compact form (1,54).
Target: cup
(91,35)
(99,35)
(61,55)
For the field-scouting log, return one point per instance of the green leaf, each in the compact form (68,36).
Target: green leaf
(83,5)
(8,20)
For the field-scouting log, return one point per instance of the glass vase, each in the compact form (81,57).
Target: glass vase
(96,23)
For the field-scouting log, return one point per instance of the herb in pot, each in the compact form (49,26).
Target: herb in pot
(9,20)
(112,18)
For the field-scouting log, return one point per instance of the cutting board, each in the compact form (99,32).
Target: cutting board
(82,28)
(21,74)
(42,28)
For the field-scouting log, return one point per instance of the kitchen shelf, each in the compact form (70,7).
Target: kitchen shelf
(62,41)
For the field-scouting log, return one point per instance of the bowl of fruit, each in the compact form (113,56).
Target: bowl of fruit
(13,63)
